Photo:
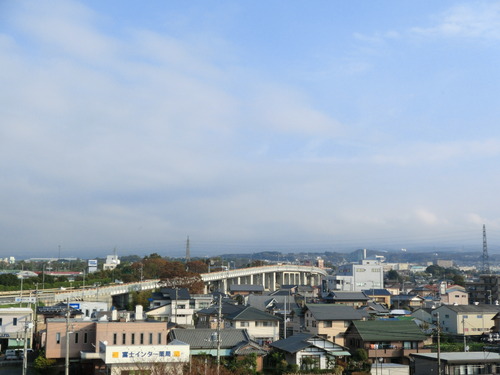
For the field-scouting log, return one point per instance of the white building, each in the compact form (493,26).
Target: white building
(112,262)
(368,274)
(16,323)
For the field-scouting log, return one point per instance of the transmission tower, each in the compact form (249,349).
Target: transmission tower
(188,251)
(486,261)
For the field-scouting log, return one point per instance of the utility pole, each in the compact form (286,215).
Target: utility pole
(27,326)
(284,322)
(439,345)
(465,338)
(219,315)
(176,303)
(66,364)
(83,286)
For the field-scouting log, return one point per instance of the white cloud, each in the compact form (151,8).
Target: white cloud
(426,217)
(442,152)
(478,20)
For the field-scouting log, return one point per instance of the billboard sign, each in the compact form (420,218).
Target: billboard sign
(144,353)
(25,299)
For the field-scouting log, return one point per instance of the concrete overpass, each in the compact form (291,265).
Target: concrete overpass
(270,277)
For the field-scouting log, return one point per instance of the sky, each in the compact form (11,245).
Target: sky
(248,126)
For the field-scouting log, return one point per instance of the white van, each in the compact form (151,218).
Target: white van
(10,355)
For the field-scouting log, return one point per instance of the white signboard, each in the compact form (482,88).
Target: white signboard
(26,299)
(144,353)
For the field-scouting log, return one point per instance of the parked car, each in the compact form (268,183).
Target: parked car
(11,355)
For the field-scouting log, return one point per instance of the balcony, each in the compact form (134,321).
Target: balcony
(394,352)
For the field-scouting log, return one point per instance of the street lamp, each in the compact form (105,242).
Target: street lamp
(97,290)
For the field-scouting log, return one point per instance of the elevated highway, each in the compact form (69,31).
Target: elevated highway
(270,277)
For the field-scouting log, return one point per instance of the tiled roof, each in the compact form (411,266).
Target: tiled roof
(207,338)
(376,292)
(251,314)
(347,296)
(333,312)
(293,343)
(172,293)
(246,288)
(227,309)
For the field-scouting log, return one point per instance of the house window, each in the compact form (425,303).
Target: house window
(150,339)
(159,338)
(0,321)
(58,338)
(479,316)
(76,338)
(132,339)
(327,324)
(310,362)
(114,338)
(244,324)
(14,322)
(124,338)
(85,338)
(142,338)
(465,316)
(347,323)
(314,323)
(410,344)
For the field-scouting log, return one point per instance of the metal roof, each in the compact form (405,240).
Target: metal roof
(388,330)
(462,357)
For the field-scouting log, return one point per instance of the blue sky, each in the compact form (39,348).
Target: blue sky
(248,126)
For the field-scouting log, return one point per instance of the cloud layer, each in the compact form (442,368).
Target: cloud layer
(132,136)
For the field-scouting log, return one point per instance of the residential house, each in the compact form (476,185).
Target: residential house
(424,315)
(354,299)
(233,342)
(382,296)
(390,340)
(411,301)
(329,321)
(245,289)
(424,291)
(466,320)
(309,351)
(375,309)
(455,296)
(173,305)
(262,327)
(208,318)
(453,363)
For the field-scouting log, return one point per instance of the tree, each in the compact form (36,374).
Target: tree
(141,298)
(43,364)
(394,275)
(197,266)
(9,279)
